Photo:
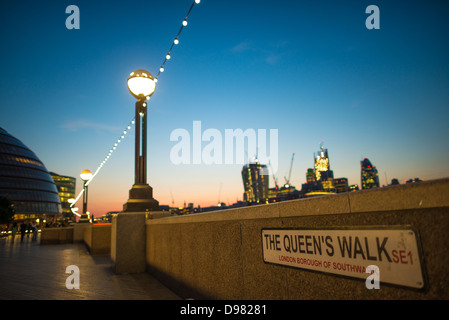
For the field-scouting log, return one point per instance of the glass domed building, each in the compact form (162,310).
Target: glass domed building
(25,181)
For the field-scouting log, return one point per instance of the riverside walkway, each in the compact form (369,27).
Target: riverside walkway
(30,271)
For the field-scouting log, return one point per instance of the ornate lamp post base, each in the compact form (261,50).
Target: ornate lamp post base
(141,199)
(84,218)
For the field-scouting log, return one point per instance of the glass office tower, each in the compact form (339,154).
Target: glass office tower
(255,183)
(369,175)
(66,190)
(323,172)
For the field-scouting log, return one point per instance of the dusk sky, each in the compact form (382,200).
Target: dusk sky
(310,69)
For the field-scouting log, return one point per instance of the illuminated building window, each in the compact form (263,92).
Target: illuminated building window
(66,190)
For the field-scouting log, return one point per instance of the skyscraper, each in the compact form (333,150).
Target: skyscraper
(255,182)
(369,175)
(322,165)
(323,173)
(320,179)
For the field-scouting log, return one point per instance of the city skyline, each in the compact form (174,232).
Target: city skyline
(311,70)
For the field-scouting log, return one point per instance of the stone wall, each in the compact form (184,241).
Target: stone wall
(56,235)
(98,239)
(219,255)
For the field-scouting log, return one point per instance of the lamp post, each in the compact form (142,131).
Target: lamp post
(141,84)
(85,175)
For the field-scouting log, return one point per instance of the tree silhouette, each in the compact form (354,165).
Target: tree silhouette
(6,210)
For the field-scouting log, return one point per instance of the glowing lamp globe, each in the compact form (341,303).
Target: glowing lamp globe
(86,175)
(141,84)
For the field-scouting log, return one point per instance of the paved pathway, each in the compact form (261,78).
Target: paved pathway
(30,271)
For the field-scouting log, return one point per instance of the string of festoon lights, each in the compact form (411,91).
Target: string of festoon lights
(114,147)
(161,69)
(176,40)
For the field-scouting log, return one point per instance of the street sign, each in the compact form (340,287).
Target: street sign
(348,251)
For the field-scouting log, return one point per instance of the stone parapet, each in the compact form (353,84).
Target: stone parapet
(219,255)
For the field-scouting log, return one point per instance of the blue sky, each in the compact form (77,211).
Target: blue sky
(310,69)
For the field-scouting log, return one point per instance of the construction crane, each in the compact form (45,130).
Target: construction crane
(274,177)
(287,181)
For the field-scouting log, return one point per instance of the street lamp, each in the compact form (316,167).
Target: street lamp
(141,84)
(85,175)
